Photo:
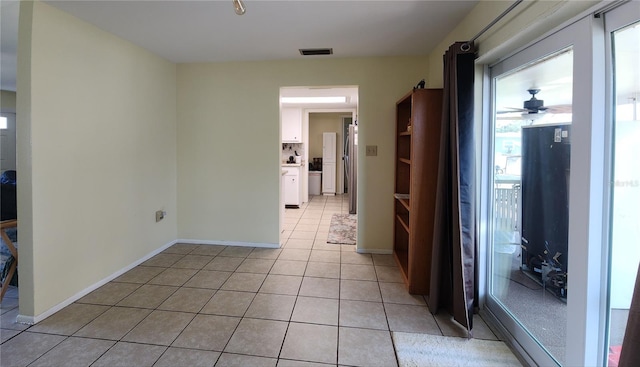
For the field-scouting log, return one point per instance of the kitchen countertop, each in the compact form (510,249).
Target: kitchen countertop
(291,164)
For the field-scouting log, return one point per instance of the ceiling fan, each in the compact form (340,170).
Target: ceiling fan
(534,107)
(530,106)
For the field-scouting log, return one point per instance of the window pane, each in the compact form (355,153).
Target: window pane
(625,217)
(532,144)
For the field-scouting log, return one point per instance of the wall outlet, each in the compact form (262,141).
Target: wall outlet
(372,150)
(160,215)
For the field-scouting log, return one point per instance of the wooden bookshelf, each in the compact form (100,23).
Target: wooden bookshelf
(418,116)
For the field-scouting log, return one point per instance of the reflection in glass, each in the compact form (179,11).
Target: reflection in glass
(531,138)
(625,186)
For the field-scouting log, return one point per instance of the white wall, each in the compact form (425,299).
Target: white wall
(96,155)
(233,107)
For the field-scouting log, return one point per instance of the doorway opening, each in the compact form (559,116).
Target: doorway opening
(314,127)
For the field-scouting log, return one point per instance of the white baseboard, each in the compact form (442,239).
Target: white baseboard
(32,320)
(374,251)
(228,243)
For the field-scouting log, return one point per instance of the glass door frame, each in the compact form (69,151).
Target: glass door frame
(615,19)
(587,262)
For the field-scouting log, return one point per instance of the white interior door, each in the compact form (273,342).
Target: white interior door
(329,148)
(329,154)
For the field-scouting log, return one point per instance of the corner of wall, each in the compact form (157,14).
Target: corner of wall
(23,148)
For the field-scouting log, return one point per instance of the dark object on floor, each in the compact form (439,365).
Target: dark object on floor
(8,200)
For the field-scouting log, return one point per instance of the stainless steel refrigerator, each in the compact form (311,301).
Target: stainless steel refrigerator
(351,166)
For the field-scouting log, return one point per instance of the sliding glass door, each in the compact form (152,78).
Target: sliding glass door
(562,188)
(531,156)
(623,37)
(544,197)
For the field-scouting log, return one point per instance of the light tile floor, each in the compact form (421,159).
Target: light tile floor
(309,303)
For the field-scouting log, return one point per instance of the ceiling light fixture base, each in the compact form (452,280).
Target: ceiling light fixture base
(239,7)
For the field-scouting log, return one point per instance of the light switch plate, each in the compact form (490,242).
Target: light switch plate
(372,150)
(160,215)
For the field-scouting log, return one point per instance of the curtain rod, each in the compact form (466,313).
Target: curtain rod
(467,45)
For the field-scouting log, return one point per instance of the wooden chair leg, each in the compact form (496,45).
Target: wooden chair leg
(7,280)
(7,241)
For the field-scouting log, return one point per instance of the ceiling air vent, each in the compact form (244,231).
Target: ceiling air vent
(316,51)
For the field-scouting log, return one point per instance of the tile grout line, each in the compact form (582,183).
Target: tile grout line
(152,310)
(255,293)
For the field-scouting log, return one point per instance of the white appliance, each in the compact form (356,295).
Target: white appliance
(292,188)
(351,166)
(314,182)
(329,163)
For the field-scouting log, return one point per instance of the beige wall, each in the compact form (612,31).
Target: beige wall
(320,123)
(7,101)
(229,143)
(96,156)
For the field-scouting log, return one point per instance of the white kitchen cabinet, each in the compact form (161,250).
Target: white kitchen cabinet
(329,148)
(329,153)
(291,125)
(292,192)
(328,178)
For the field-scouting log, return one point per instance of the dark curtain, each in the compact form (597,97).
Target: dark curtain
(630,354)
(454,240)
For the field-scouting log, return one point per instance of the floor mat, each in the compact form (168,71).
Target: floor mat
(434,350)
(343,229)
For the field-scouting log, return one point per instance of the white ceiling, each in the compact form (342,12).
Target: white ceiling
(553,76)
(210,31)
